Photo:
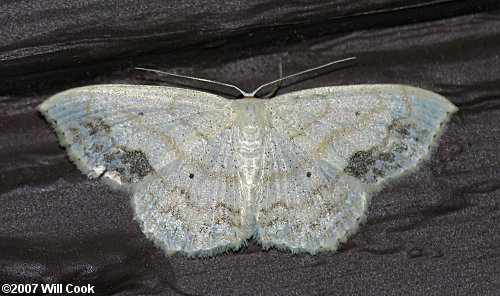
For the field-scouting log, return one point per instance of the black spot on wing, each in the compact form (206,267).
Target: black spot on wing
(404,144)
(371,165)
(96,125)
(131,164)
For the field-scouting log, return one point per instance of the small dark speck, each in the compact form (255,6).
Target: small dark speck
(357,113)
(308,174)
(191,176)
(436,253)
(141,113)
(414,252)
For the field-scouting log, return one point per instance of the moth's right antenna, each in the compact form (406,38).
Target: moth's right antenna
(300,73)
(277,87)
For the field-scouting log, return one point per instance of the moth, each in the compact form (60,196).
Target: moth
(206,173)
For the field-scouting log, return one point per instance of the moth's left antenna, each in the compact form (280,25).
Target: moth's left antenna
(198,79)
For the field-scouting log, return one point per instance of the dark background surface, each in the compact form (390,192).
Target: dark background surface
(434,232)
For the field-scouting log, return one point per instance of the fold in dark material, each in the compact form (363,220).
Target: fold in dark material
(435,231)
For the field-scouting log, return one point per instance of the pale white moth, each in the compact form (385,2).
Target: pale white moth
(206,173)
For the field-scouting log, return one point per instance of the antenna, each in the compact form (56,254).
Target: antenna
(300,73)
(252,94)
(198,79)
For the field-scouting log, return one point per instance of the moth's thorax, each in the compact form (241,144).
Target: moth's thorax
(250,112)
(249,121)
